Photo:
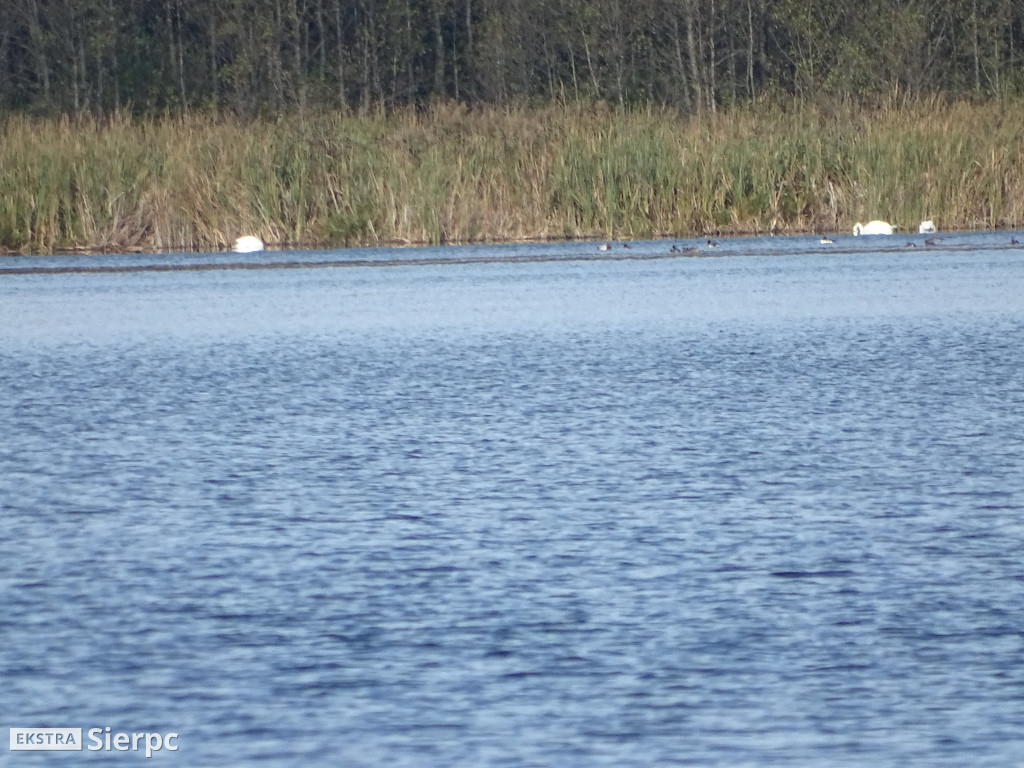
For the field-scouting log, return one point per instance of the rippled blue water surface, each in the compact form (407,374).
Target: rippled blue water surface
(765,508)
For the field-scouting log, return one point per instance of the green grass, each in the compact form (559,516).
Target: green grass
(455,175)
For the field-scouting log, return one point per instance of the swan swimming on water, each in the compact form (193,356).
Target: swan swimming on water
(248,244)
(926,228)
(875,227)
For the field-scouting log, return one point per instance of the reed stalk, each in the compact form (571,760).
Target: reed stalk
(449,174)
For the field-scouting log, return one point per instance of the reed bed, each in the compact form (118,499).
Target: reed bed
(450,174)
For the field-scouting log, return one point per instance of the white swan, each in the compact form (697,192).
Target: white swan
(248,244)
(926,228)
(875,227)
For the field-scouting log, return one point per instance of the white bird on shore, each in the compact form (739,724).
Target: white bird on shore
(926,228)
(875,227)
(248,244)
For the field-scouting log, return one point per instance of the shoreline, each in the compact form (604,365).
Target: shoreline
(898,239)
(278,258)
(284,247)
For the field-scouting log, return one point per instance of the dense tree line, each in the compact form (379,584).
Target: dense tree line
(263,56)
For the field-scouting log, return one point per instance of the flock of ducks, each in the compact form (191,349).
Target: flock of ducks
(875,227)
(253,244)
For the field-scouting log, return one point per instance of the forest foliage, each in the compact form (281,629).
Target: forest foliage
(264,57)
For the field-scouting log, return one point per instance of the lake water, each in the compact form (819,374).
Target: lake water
(519,506)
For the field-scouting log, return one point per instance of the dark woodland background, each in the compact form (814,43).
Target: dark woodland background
(260,57)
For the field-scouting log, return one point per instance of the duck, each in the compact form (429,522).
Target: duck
(248,244)
(826,240)
(933,241)
(926,227)
(604,247)
(876,227)
(712,244)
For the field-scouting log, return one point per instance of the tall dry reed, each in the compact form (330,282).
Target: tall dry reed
(455,175)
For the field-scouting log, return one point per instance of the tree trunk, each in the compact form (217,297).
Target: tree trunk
(691,45)
(435,9)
